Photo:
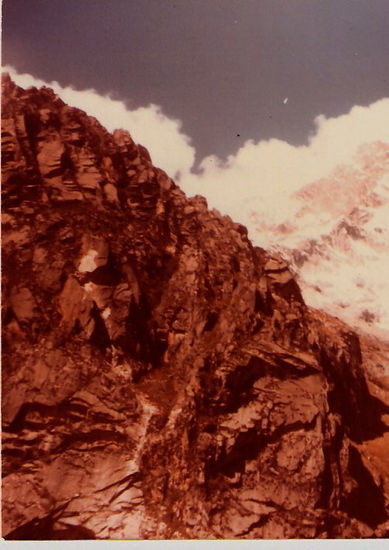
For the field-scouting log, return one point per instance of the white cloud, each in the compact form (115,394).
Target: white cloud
(262,177)
(169,147)
(258,187)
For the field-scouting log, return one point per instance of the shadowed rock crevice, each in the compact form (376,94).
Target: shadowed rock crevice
(47,529)
(248,446)
(365,502)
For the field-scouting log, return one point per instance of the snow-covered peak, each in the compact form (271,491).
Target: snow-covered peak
(337,239)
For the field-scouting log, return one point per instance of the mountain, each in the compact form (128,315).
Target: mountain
(162,377)
(336,237)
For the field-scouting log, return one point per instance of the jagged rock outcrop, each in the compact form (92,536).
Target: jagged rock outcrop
(162,377)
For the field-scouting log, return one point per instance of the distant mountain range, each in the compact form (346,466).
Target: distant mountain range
(336,238)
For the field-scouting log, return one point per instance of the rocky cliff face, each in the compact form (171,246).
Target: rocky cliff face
(162,377)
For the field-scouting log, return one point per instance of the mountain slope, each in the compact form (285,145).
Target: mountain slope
(336,237)
(162,377)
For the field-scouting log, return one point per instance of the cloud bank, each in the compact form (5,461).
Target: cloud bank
(169,147)
(296,199)
(262,178)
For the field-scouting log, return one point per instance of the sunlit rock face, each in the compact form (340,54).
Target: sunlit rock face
(162,377)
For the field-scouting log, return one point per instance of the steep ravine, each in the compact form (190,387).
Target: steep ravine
(162,377)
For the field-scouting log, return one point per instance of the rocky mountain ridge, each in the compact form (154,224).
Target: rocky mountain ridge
(162,377)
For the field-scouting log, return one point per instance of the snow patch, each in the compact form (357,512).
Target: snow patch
(88,262)
(106,313)
(89,287)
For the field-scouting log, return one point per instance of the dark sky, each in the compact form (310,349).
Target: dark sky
(223,67)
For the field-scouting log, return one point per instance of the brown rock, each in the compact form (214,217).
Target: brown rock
(23,304)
